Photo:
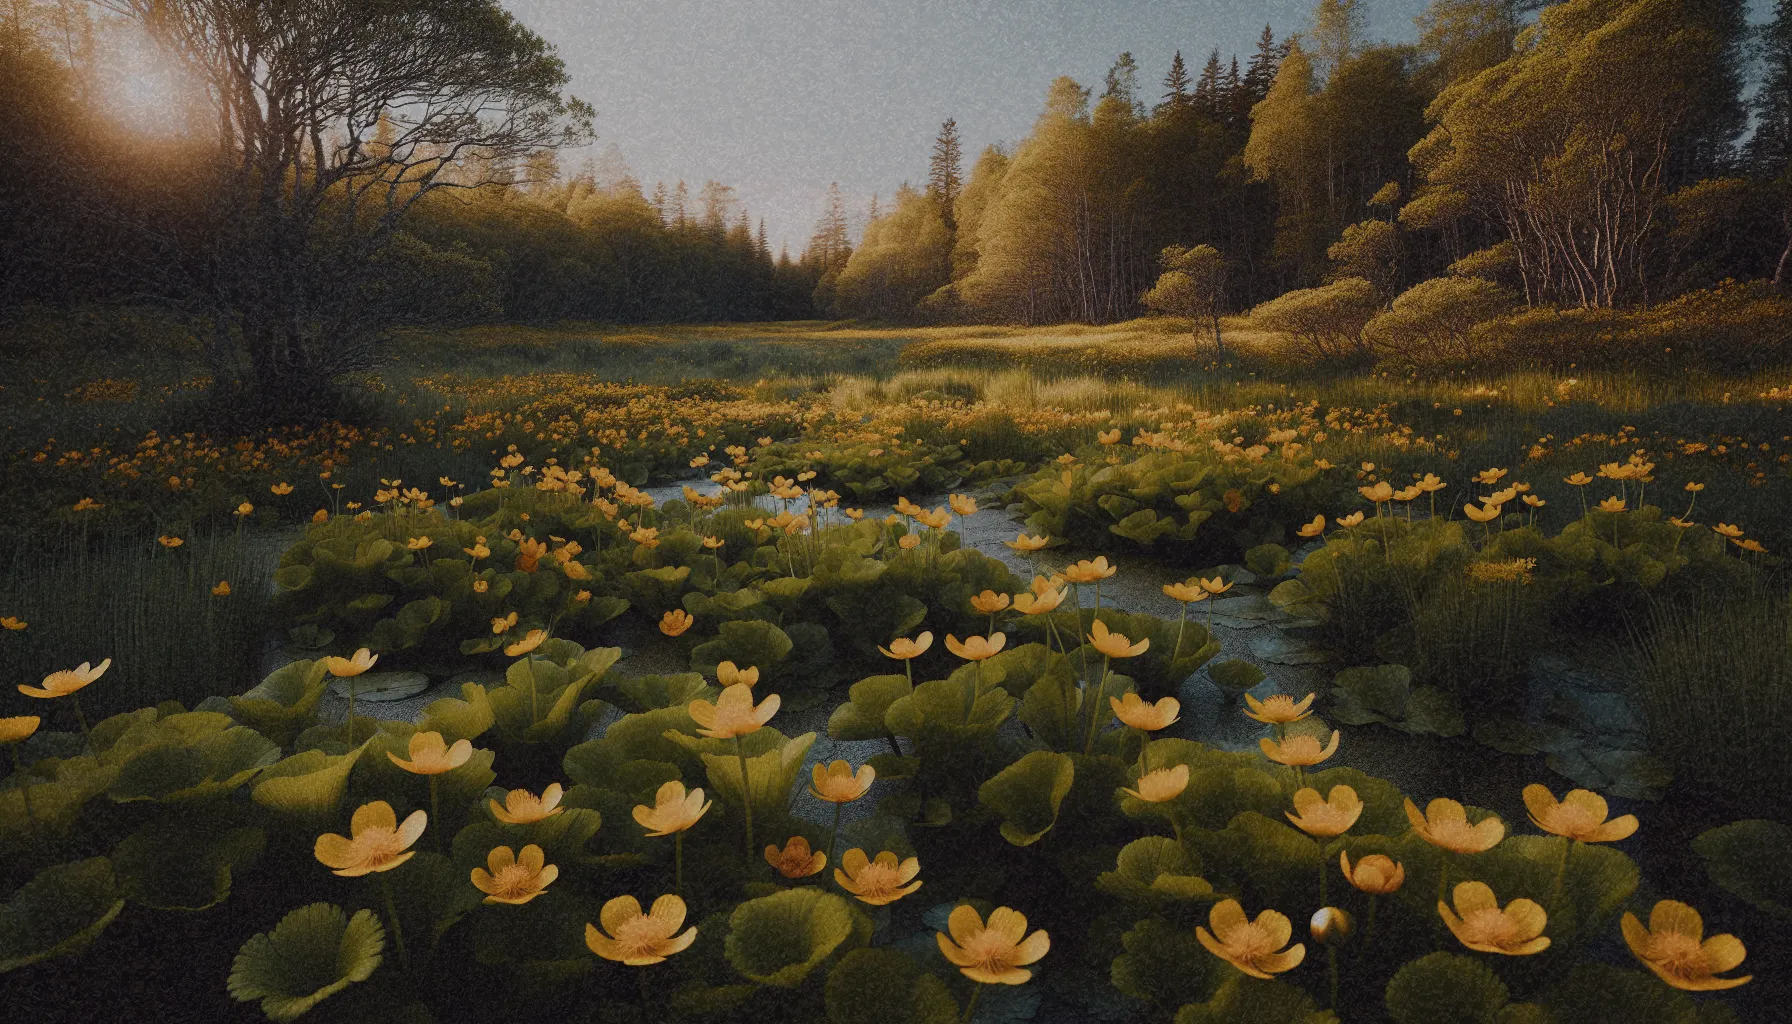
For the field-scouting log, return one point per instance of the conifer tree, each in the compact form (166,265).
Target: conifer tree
(1261,71)
(1123,83)
(681,197)
(944,171)
(1769,151)
(1207,88)
(1176,83)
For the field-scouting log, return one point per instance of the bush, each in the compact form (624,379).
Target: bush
(1327,321)
(1435,320)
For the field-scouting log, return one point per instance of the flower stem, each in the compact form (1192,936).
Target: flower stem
(678,862)
(79,717)
(746,803)
(1369,923)
(971,1008)
(1095,705)
(24,783)
(351,710)
(435,816)
(1331,966)
(834,834)
(392,915)
(1555,890)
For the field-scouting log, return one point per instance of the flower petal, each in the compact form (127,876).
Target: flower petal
(618,912)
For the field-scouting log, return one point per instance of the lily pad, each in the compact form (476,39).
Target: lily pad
(1278,648)
(178,865)
(1635,774)
(381,687)
(61,910)
(312,954)
(1748,859)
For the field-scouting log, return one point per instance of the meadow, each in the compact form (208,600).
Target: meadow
(1067,672)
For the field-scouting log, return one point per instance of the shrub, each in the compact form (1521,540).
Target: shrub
(1435,320)
(1327,321)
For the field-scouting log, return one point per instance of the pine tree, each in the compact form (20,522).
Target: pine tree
(759,244)
(1123,83)
(1262,69)
(681,198)
(874,212)
(1207,88)
(944,171)
(659,200)
(1176,83)
(1769,152)
(1235,101)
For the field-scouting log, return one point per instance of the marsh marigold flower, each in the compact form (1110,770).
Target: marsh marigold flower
(1039,604)
(638,939)
(530,641)
(1675,949)
(838,783)
(1353,519)
(344,668)
(1300,751)
(1331,816)
(796,860)
(673,810)
(877,882)
(222,589)
(1480,924)
(282,488)
(1612,504)
(1251,946)
(976,648)
(1115,645)
(1023,542)
(19,728)
(1580,815)
(989,602)
(376,841)
(902,648)
(1090,570)
(1187,592)
(730,674)
(431,755)
(992,954)
(676,621)
(733,713)
(907,541)
(1132,710)
(67,681)
(521,807)
(170,542)
(963,504)
(514,878)
(1163,784)
(1376,874)
(1445,826)
(13,623)
(1280,709)
(1314,528)
(503,624)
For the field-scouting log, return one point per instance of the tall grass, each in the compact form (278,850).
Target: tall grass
(1714,675)
(149,609)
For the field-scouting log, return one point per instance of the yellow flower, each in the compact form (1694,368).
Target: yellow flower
(67,681)
(1160,785)
(1580,815)
(514,878)
(733,713)
(1726,530)
(877,882)
(713,543)
(529,642)
(1108,436)
(989,602)
(1133,711)
(907,541)
(1251,946)
(378,843)
(1332,816)
(1024,542)
(170,542)
(13,623)
(1314,528)
(1215,586)
(1750,545)
(1483,514)
(14,730)
(1380,492)
(504,623)
(431,755)
(1674,947)
(1115,645)
(1350,520)
(1693,488)
(1489,476)
(418,543)
(282,488)
(1298,751)
(1280,709)
(244,509)
(994,954)
(963,504)
(522,807)
(1087,571)
(676,621)
(478,550)
(1612,504)
(1578,479)
(638,939)
(935,520)
(1376,874)
(1039,604)
(1431,484)
(730,674)
(976,648)
(646,536)
(673,809)
(902,648)
(320,516)
(1445,826)
(838,784)
(1480,924)
(481,586)
(1403,494)
(796,860)
(528,553)
(222,589)
(1534,501)
(343,668)
(1187,592)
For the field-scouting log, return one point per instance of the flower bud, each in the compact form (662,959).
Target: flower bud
(1330,925)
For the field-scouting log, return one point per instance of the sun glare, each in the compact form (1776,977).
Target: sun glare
(139,88)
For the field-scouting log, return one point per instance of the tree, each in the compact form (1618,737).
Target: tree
(304,200)
(1769,154)
(1328,320)
(1176,83)
(829,248)
(1260,73)
(1435,320)
(902,257)
(1370,250)
(1123,84)
(1337,34)
(1193,284)
(944,181)
(1207,87)
(1462,38)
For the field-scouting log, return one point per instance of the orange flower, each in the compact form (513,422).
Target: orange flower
(795,860)
(529,642)
(1674,947)
(1087,571)
(528,553)
(877,882)
(1376,874)
(1314,528)
(989,602)
(1188,592)
(1353,519)
(1251,946)
(733,713)
(522,807)
(1039,604)
(222,589)
(1215,586)
(13,623)
(1726,530)
(1480,924)
(1332,816)
(14,730)
(1022,542)
(504,623)
(976,648)
(994,954)
(419,543)
(1612,504)
(1580,815)
(514,878)
(907,541)
(1578,479)
(673,809)
(963,504)
(730,674)
(676,621)
(431,755)
(344,668)
(67,681)
(1133,711)
(1280,709)
(1483,514)
(1445,826)
(1161,785)
(902,648)
(638,939)
(1115,645)
(170,542)
(379,842)
(838,783)
(1380,492)
(1108,436)
(1300,751)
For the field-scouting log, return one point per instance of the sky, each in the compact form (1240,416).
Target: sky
(777,98)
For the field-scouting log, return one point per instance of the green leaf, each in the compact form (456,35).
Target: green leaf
(1444,988)
(650,693)
(1245,1000)
(1155,871)
(184,760)
(61,910)
(1268,560)
(183,865)
(312,954)
(771,775)
(1376,693)
(1600,994)
(872,986)
(779,939)
(1027,794)
(1748,859)
(283,703)
(463,718)
(307,786)
(753,643)
(1162,965)
(1235,674)
(862,716)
